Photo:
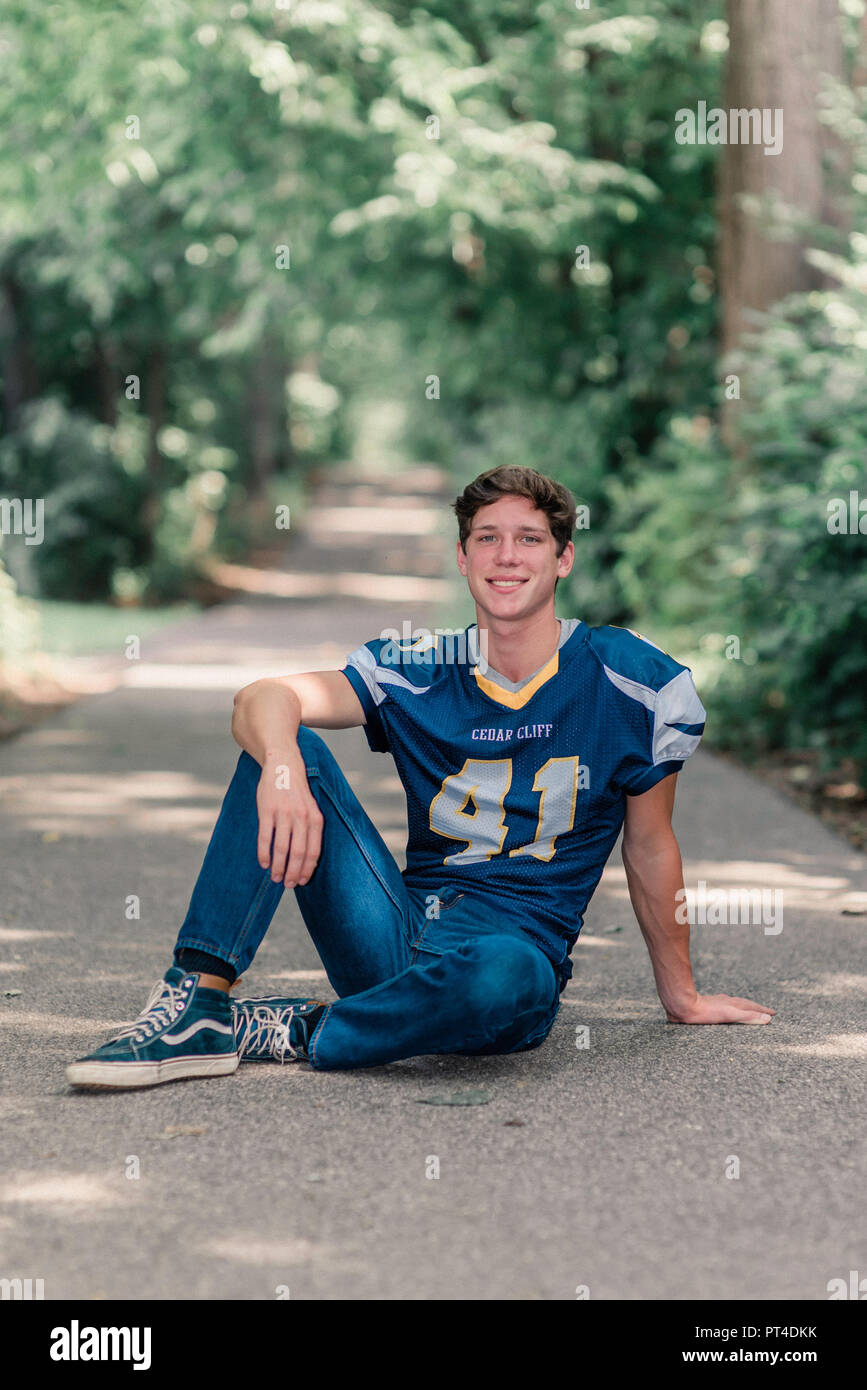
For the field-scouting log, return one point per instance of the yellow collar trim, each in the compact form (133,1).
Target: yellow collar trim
(517,699)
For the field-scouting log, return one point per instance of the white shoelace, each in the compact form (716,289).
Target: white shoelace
(269,1027)
(164,1003)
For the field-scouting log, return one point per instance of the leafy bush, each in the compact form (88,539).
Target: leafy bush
(715,549)
(108,529)
(93,503)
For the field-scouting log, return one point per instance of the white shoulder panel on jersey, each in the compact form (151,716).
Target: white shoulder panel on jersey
(375,676)
(675,703)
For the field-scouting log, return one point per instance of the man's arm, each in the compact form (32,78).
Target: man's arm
(654,875)
(267,713)
(265,723)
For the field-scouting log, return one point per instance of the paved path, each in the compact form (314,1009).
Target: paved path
(603,1167)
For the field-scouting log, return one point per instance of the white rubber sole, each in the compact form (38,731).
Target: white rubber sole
(120,1075)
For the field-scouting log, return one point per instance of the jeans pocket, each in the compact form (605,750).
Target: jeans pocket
(420,944)
(434,904)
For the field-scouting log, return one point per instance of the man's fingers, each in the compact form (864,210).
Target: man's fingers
(296,858)
(314,848)
(753,1006)
(282,836)
(749,1016)
(263,844)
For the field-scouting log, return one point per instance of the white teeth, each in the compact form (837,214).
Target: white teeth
(505,583)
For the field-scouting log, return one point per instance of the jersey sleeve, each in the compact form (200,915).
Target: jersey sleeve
(388,671)
(362,672)
(662,719)
(675,725)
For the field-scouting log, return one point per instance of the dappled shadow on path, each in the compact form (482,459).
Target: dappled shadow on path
(155,801)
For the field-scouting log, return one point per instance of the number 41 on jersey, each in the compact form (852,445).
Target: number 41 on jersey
(486,783)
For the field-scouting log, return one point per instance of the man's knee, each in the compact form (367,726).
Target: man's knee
(512,974)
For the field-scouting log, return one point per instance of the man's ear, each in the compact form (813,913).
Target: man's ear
(566,560)
(462,559)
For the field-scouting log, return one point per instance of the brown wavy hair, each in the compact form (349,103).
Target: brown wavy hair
(507,480)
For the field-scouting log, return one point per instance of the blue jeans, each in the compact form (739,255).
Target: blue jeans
(415,972)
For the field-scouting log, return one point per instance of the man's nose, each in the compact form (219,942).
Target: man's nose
(508,552)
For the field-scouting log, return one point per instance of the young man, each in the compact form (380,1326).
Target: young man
(523,745)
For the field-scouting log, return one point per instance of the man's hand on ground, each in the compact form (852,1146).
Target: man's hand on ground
(291,815)
(720,1008)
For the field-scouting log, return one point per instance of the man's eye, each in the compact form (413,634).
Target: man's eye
(534,539)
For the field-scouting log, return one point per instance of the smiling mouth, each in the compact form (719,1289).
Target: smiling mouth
(506,586)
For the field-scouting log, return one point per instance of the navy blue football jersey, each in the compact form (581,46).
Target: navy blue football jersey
(517,790)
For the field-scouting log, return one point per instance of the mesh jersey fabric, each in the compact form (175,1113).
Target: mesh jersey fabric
(517,790)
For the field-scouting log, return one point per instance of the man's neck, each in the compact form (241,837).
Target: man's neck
(516,650)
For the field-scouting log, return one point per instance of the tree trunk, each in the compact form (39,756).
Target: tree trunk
(106,379)
(19,374)
(262,417)
(268,432)
(155,387)
(778,53)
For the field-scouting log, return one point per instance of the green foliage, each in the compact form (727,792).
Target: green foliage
(711,552)
(92,503)
(803,590)
(668,519)
(307,128)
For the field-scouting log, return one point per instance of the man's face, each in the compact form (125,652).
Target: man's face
(510,561)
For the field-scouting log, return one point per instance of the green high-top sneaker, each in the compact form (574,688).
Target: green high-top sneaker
(183,1030)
